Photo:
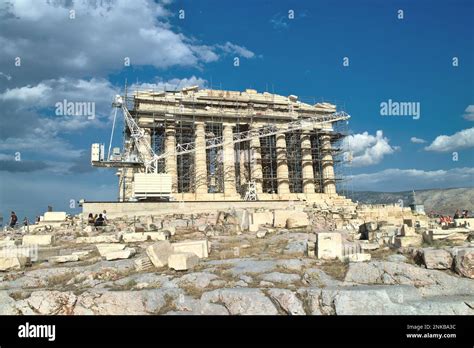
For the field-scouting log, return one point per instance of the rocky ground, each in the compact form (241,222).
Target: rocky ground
(245,273)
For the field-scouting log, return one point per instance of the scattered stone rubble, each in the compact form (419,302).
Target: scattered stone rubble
(307,259)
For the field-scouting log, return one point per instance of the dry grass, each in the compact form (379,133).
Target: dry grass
(60,279)
(19,295)
(123,287)
(192,290)
(336,269)
(169,305)
(381,253)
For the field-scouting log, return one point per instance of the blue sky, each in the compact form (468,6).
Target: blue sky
(81,59)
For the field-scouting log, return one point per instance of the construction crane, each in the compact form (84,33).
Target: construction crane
(141,154)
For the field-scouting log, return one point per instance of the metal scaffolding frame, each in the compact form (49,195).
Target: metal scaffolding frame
(294,161)
(215,166)
(269,164)
(185,163)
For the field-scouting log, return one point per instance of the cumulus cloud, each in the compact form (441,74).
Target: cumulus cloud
(36,106)
(469,113)
(460,140)
(417,140)
(366,149)
(392,180)
(97,41)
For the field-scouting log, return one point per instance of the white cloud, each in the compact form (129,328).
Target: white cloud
(460,140)
(391,180)
(29,94)
(41,99)
(35,106)
(97,40)
(48,92)
(469,113)
(366,149)
(417,140)
(235,49)
(279,21)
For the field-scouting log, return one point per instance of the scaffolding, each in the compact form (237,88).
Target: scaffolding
(185,162)
(294,160)
(215,168)
(269,164)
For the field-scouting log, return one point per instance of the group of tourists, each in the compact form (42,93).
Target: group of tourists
(461,215)
(447,219)
(97,220)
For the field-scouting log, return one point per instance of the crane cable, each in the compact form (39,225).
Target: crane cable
(112,134)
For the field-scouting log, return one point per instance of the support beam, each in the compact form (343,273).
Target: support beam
(329,183)
(125,184)
(229,161)
(171,160)
(200,159)
(307,162)
(243,170)
(282,165)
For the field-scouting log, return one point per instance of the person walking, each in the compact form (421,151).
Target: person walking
(13,219)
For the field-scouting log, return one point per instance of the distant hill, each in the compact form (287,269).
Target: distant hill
(445,201)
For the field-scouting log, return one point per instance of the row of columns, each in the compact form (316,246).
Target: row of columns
(230,189)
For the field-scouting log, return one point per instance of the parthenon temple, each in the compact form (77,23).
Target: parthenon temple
(285,165)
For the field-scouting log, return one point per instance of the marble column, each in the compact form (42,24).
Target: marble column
(307,162)
(171,160)
(143,150)
(329,183)
(256,173)
(282,164)
(200,164)
(228,161)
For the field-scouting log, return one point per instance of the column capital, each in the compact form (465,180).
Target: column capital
(228,124)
